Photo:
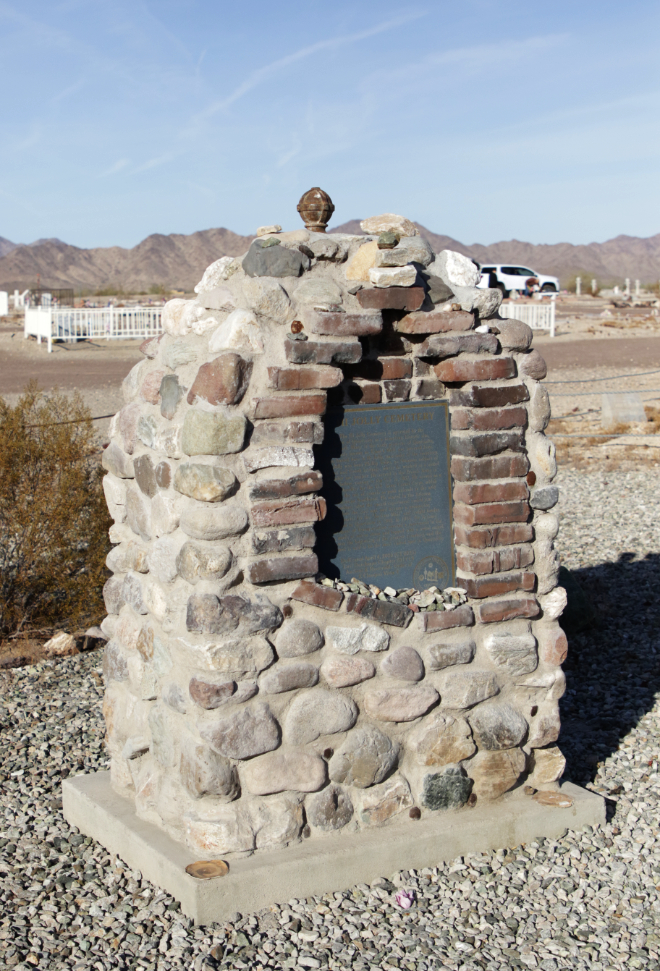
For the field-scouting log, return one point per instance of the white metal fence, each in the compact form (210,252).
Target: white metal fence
(539,316)
(111,323)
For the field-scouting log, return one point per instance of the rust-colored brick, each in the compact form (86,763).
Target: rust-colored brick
(273,568)
(332,324)
(487,513)
(430,388)
(313,593)
(472,492)
(305,510)
(553,646)
(278,432)
(494,560)
(462,616)
(295,485)
(479,539)
(498,467)
(495,586)
(448,345)
(303,378)
(488,396)
(488,419)
(280,540)
(383,611)
(289,406)
(435,322)
(459,369)
(500,610)
(391,298)
(485,443)
(364,394)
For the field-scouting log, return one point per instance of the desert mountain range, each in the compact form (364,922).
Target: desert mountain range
(178,261)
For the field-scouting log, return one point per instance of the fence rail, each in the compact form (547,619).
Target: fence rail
(539,316)
(111,323)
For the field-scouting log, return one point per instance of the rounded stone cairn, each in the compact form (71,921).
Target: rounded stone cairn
(240,712)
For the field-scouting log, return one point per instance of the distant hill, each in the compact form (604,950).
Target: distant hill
(179,261)
(6,246)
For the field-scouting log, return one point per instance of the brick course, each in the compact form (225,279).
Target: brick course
(489,396)
(494,560)
(318,595)
(499,467)
(273,568)
(488,419)
(497,536)
(459,369)
(305,510)
(487,513)
(303,378)
(495,586)
(485,443)
(435,322)
(501,610)
(391,298)
(289,406)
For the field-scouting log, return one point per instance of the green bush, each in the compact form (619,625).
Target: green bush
(53,516)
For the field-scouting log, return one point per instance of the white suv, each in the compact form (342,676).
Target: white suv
(507,278)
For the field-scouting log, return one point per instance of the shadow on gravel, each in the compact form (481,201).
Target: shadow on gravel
(613,668)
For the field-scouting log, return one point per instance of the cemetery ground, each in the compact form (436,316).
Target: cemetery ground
(587,900)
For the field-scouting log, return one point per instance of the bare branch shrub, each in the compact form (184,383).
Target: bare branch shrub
(53,516)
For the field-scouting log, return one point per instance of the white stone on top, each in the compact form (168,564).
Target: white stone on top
(215,274)
(455,269)
(395,276)
(389,222)
(239,332)
(266,230)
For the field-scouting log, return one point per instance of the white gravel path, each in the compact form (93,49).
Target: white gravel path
(586,901)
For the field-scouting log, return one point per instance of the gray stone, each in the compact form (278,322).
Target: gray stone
(145,475)
(171,394)
(287,677)
(127,556)
(210,695)
(544,498)
(233,659)
(162,558)
(331,809)
(118,462)
(350,640)
(449,789)
(209,614)
(485,302)
(322,292)
(277,261)
(132,593)
(298,637)
(404,663)
(195,562)
(441,739)
(212,433)
(115,667)
(340,672)
(443,655)
(533,365)
(497,726)
(400,704)
(147,431)
(205,773)
(276,820)
(251,731)
(463,689)
(165,513)
(174,698)
(438,292)
(516,653)
(318,712)
(298,771)
(514,335)
(138,514)
(178,353)
(538,409)
(411,249)
(207,483)
(213,522)
(268,299)
(365,758)
(113,594)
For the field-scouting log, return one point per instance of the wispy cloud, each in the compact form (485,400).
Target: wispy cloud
(120,164)
(269,70)
(154,163)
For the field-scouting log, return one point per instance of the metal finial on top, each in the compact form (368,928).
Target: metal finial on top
(316,208)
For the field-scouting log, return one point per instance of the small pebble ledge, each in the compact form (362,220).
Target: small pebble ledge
(587,900)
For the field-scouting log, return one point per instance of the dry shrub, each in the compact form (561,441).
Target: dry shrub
(53,517)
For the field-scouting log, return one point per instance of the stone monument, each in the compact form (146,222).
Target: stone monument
(255,699)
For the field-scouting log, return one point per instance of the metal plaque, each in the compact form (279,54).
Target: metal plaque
(387,484)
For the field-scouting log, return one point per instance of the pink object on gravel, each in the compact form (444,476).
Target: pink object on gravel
(405,898)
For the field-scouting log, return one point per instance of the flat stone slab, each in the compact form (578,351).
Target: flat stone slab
(316,866)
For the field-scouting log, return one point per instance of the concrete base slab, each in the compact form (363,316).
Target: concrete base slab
(316,866)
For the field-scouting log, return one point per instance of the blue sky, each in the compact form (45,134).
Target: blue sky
(482,119)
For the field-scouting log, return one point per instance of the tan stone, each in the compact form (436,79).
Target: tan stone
(394,276)
(494,773)
(379,803)
(359,265)
(296,770)
(548,765)
(340,672)
(441,739)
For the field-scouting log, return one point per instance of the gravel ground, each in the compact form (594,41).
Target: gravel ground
(585,901)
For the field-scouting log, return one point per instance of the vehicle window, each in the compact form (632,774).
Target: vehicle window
(524,272)
(510,270)
(487,269)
